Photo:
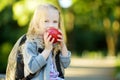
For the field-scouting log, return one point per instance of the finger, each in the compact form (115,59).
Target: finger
(45,35)
(59,40)
(49,37)
(60,31)
(60,36)
(52,40)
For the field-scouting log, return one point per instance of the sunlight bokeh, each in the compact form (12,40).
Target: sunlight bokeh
(65,3)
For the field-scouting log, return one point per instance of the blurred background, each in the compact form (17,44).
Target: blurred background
(92,28)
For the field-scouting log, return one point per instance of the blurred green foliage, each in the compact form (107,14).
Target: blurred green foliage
(96,26)
(84,24)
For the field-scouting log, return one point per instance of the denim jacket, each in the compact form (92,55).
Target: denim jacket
(34,62)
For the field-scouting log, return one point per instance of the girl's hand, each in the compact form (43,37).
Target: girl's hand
(60,38)
(62,44)
(48,43)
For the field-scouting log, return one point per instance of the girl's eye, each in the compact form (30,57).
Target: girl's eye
(46,21)
(55,21)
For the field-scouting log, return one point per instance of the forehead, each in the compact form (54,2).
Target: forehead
(48,12)
(52,13)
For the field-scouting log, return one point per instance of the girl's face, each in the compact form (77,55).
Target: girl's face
(49,18)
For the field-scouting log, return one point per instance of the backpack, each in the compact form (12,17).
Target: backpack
(15,67)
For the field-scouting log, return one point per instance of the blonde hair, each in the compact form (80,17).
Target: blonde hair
(32,30)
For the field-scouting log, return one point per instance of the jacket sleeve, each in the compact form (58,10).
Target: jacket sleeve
(33,60)
(65,60)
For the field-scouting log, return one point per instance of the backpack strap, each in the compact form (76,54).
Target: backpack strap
(57,59)
(24,38)
(19,74)
(21,63)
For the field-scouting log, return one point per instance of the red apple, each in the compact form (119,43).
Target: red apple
(54,33)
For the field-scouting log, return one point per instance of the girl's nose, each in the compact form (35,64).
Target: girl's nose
(51,25)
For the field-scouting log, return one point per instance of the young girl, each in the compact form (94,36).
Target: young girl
(42,58)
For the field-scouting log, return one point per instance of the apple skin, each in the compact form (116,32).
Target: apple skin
(54,33)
